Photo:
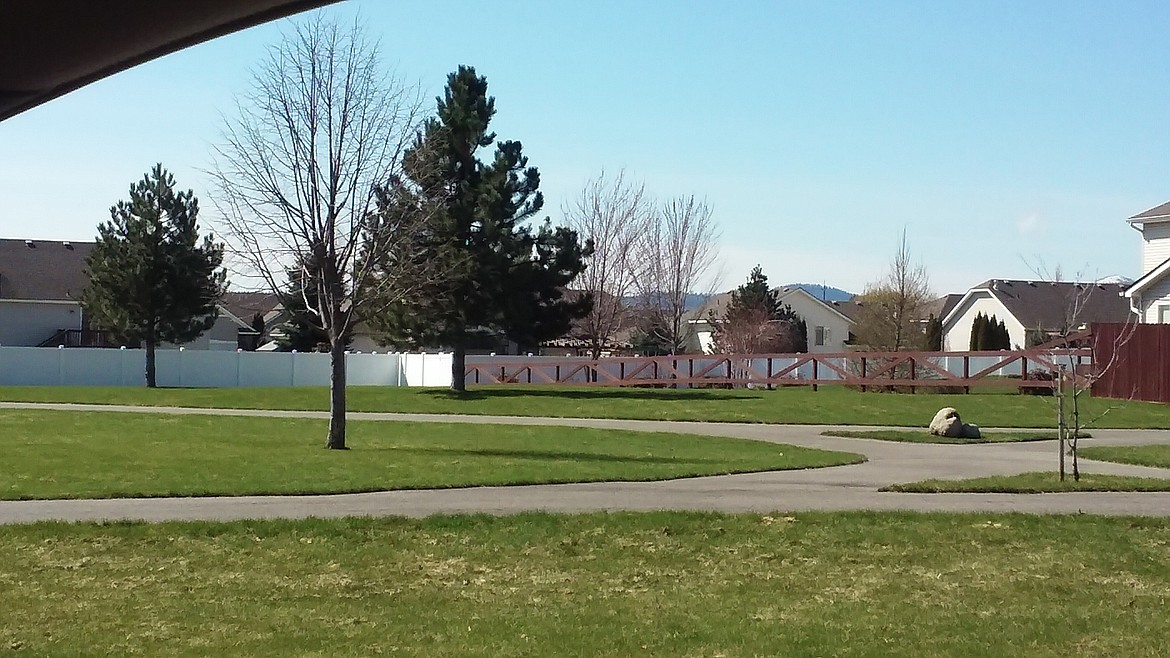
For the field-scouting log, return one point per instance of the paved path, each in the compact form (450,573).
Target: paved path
(839,488)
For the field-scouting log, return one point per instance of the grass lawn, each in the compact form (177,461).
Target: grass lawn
(1028,483)
(923,436)
(828,406)
(1158,456)
(48,454)
(661,584)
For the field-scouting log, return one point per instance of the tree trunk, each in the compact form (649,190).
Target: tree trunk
(459,368)
(337,395)
(151,380)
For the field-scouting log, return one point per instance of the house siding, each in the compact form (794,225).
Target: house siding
(28,324)
(957,333)
(816,314)
(1155,245)
(1153,297)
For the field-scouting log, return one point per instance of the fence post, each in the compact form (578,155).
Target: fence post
(769,373)
(913,388)
(691,372)
(814,373)
(967,374)
(864,388)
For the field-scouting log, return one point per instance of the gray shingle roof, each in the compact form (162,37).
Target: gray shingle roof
(1157,212)
(43,269)
(1049,305)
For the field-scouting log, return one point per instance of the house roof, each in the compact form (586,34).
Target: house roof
(1050,305)
(245,304)
(1149,278)
(43,270)
(1161,212)
(789,291)
(716,305)
(940,307)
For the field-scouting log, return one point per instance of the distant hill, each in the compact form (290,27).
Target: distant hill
(827,293)
(693,301)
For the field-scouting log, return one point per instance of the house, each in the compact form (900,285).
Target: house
(1149,296)
(1047,307)
(41,283)
(829,325)
(40,287)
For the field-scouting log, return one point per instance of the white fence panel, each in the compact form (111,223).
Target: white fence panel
(36,366)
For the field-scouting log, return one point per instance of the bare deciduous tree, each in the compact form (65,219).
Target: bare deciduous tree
(1071,376)
(891,308)
(677,249)
(320,128)
(614,213)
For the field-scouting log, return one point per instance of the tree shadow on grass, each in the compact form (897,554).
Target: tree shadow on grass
(559,455)
(600,393)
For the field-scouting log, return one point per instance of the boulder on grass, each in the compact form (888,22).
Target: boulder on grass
(947,423)
(971,431)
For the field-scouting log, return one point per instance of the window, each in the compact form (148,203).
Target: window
(822,335)
(1164,314)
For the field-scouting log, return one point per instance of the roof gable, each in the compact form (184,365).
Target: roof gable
(1052,305)
(1161,212)
(43,270)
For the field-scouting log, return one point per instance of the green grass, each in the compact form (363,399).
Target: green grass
(1157,456)
(828,406)
(47,454)
(923,436)
(1031,483)
(660,584)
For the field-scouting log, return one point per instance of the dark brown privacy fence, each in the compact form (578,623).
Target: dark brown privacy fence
(865,370)
(1134,361)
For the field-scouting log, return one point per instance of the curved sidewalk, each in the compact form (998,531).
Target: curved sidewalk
(838,488)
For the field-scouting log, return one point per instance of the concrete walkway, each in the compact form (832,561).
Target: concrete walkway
(839,488)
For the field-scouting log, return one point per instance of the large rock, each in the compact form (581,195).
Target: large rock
(971,431)
(947,423)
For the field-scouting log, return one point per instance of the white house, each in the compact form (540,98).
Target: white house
(1052,308)
(41,282)
(1149,296)
(828,325)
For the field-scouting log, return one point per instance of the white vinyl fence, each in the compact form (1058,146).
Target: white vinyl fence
(38,366)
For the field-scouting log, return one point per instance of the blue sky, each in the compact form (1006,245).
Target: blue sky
(1002,135)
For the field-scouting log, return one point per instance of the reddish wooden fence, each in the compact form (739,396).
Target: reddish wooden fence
(1135,361)
(861,369)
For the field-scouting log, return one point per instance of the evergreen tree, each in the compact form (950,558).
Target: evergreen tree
(934,334)
(987,333)
(501,274)
(1004,338)
(757,321)
(302,328)
(978,332)
(150,279)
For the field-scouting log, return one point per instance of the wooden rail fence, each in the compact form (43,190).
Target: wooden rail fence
(865,370)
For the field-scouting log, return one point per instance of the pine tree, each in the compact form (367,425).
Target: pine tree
(501,274)
(150,279)
(757,321)
(1003,340)
(987,333)
(302,328)
(977,332)
(934,334)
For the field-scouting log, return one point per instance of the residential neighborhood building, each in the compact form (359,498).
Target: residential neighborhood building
(40,287)
(829,325)
(1149,295)
(41,283)
(1048,309)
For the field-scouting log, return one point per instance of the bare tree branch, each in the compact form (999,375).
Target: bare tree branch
(614,213)
(296,173)
(677,249)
